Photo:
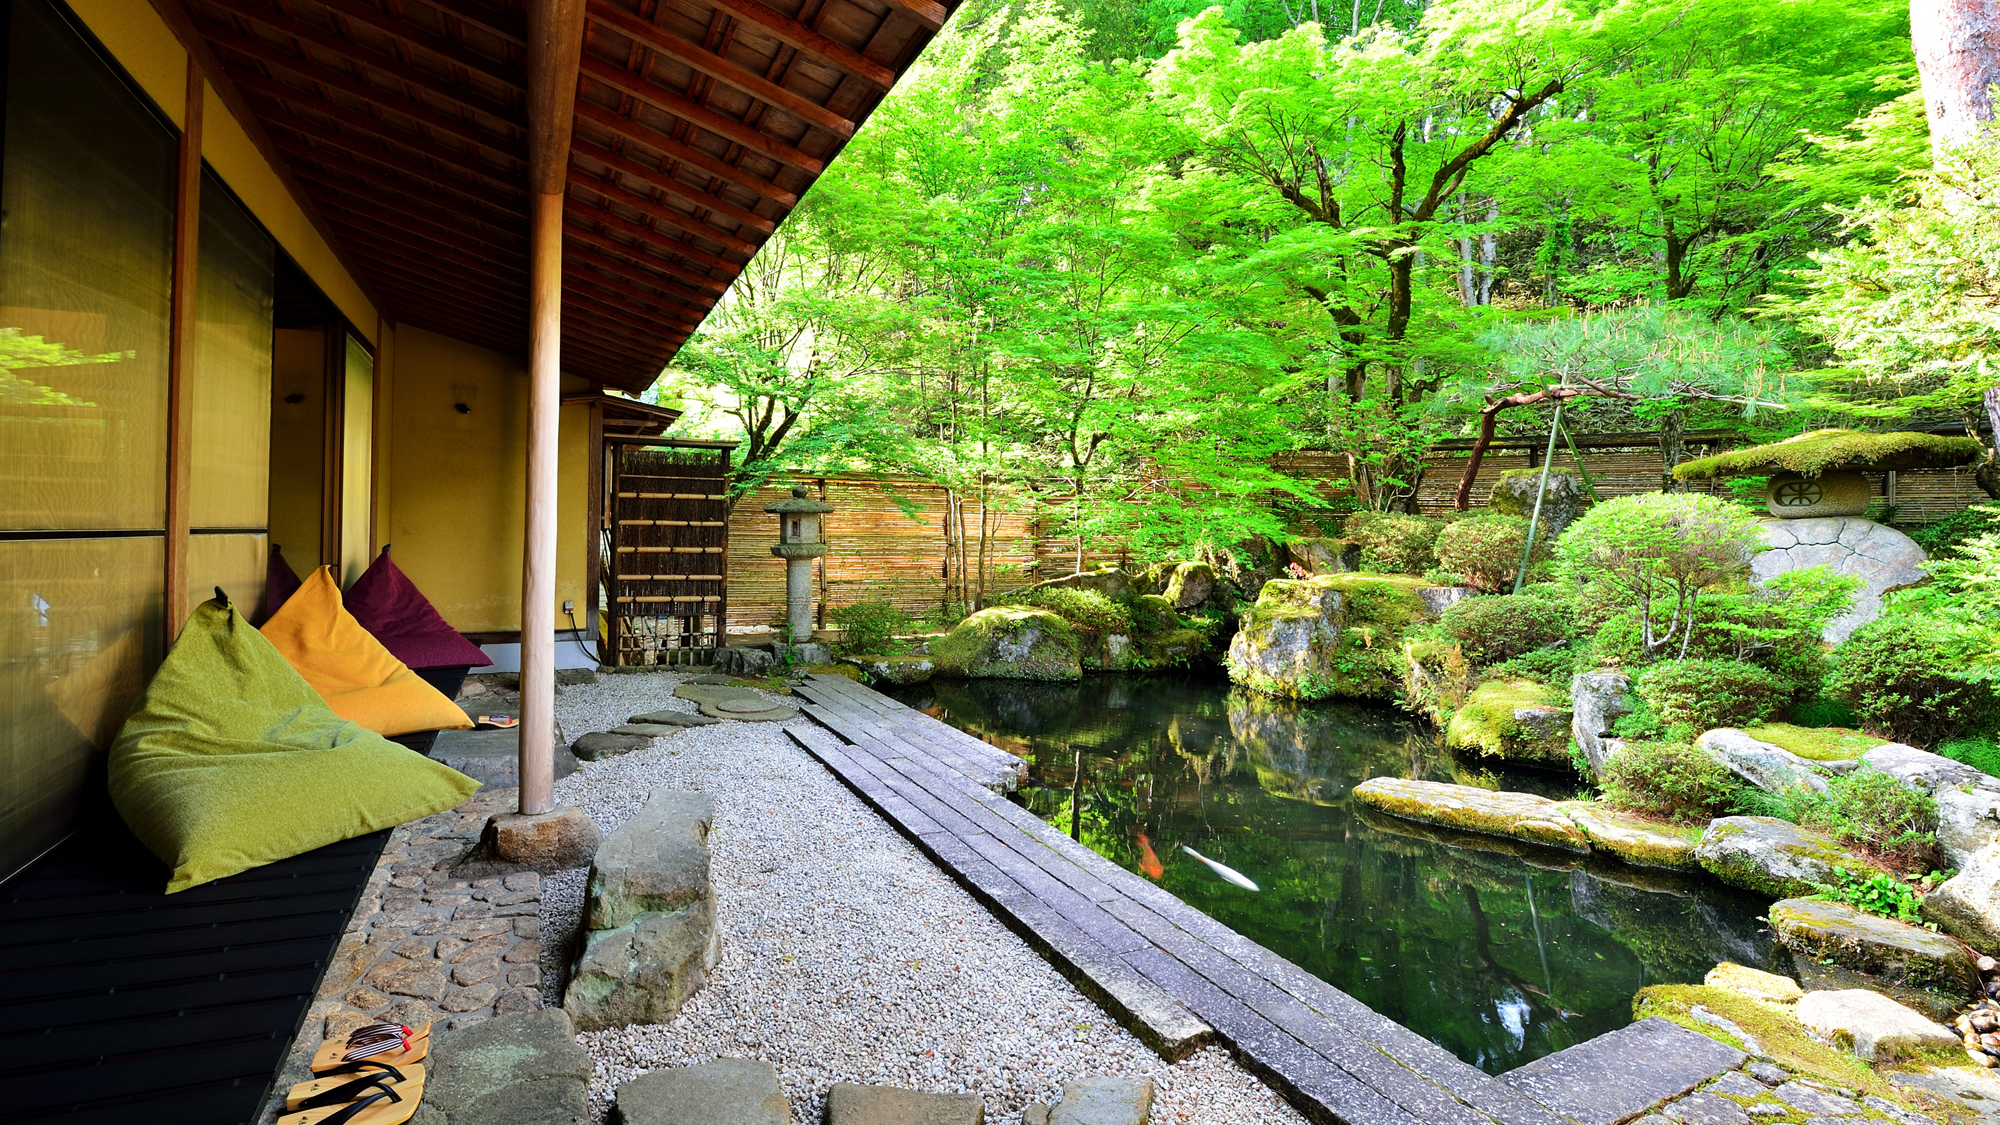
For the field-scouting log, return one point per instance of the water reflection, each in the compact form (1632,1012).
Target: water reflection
(1500,952)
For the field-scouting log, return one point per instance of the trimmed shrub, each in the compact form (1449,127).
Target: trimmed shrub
(1821,711)
(1940,538)
(1660,557)
(1903,675)
(1668,779)
(1867,810)
(1486,550)
(869,627)
(1551,666)
(1393,544)
(1700,695)
(1500,627)
(1085,609)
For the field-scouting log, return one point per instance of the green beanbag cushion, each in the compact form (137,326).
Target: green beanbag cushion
(230,760)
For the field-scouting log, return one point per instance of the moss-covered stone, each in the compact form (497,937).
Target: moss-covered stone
(1819,744)
(1519,816)
(1772,856)
(1010,642)
(1895,951)
(1518,720)
(1779,1035)
(1187,585)
(1334,635)
(888,669)
(1324,556)
(1640,842)
(1821,450)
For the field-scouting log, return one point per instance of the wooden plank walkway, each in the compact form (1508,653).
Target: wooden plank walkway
(1174,976)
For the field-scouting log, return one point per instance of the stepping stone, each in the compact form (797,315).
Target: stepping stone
(750,711)
(723,1092)
(1896,951)
(1807,1099)
(672,719)
(1873,1025)
(492,757)
(1770,1074)
(849,1104)
(514,1069)
(1706,1109)
(1104,1101)
(1736,1084)
(603,744)
(711,679)
(649,731)
(1623,1073)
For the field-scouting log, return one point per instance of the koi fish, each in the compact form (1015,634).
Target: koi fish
(1149,864)
(1229,874)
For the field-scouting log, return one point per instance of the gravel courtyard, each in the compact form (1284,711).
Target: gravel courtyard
(846,955)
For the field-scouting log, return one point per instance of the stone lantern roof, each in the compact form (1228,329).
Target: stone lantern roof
(1823,451)
(799,505)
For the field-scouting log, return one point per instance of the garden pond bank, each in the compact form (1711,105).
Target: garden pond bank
(1498,951)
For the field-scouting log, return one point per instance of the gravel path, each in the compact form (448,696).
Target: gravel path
(846,954)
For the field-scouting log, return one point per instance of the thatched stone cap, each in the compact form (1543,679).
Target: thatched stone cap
(799,505)
(1826,450)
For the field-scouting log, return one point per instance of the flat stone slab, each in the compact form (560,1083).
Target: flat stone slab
(849,1104)
(1812,1099)
(1706,1109)
(655,862)
(1895,951)
(492,757)
(1773,769)
(1520,816)
(648,731)
(1772,856)
(1873,1025)
(722,1092)
(1104,1101)
(524,1068)
(674,719)
(1637,841)
(1623,1073)
(1754,983)
(599,745)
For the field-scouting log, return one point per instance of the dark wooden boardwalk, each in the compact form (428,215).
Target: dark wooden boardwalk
(1173,975)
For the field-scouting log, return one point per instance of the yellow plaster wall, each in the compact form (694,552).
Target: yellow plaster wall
(457,481)
(145,46)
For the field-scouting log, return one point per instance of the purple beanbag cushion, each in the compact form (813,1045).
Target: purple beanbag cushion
(280,583)
(391,607)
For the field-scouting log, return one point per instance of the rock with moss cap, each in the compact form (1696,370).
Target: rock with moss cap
(1831,450)
(1637,841)
(1519,816)
(1011,642)
(1772,856)
(1514,495)
(893,669)
(1895,951)
(1334,635)
(1324,556)
(1518,720)
(1770,768)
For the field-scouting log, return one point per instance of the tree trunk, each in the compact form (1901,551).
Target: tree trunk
(1673,447)
(1958,57)
(1489,254)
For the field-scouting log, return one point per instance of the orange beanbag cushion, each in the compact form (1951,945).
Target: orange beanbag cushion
(350,669)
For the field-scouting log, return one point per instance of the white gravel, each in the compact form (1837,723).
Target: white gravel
(847,956)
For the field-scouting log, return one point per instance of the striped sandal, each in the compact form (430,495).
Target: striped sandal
(335,1087)
(388,1043)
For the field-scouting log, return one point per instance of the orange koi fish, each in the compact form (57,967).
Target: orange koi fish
(1149,864)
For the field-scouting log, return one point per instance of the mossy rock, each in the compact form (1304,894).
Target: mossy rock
(1010,642)
(1773,857)
(1152,614)
(1518,816)
(1174,648)
(1513,719)
(1776,1030)
(1334,635)
(1824,450)
(1640,842)
(1819,744)
(1895,951)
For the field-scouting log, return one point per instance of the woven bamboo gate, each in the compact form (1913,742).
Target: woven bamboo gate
(668,554)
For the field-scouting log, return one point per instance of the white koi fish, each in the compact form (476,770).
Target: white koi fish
(1229,874)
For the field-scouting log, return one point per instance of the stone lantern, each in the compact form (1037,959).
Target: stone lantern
(799,542)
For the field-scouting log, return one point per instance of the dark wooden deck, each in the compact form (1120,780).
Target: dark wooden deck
(1174,976)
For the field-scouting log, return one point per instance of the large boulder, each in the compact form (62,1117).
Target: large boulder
(651,939)
(1642,843)
(1772,856)
(1968,800)
(1882,557)
(1895,951)
(1187,585)
(1285,644)
(1512,720)
(1874,1026)
(1014,642)
(1520,816)
(1324,556)
(1768,767)
(1514,495)
(1596,701)
(1967,905)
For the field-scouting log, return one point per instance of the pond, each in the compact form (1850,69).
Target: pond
(1496,951)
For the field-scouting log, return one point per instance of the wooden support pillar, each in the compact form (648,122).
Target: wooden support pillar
(555,51)
(180,347)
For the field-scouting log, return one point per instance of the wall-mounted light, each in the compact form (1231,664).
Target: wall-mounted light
(461,408)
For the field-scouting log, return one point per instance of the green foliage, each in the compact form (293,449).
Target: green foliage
(1501,627)
(1086,609)
(1907,677)
(1867,810)
(1981,752)
(1668,779)
(1940,539)
(1486,549)
(1656,556)
(1822,711)
(1552,666)
(1878,893)
(1699,695)
(1828,450)
(870,627)
(1394,544)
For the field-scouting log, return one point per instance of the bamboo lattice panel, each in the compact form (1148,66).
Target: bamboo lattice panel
(669,558)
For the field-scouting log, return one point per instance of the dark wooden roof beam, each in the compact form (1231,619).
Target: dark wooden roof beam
(388,100)
(670,277)
(574,288)
(658,240)
(722,70)
(338,150)
(793,33)
(645,286)
(504,24)
(652,138)
(927,12)
(415,225)
(666,304)
(506,71)
(378,129)
(665,181)
(654,209)
(722,125)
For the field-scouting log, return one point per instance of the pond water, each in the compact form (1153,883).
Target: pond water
(1498,952)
